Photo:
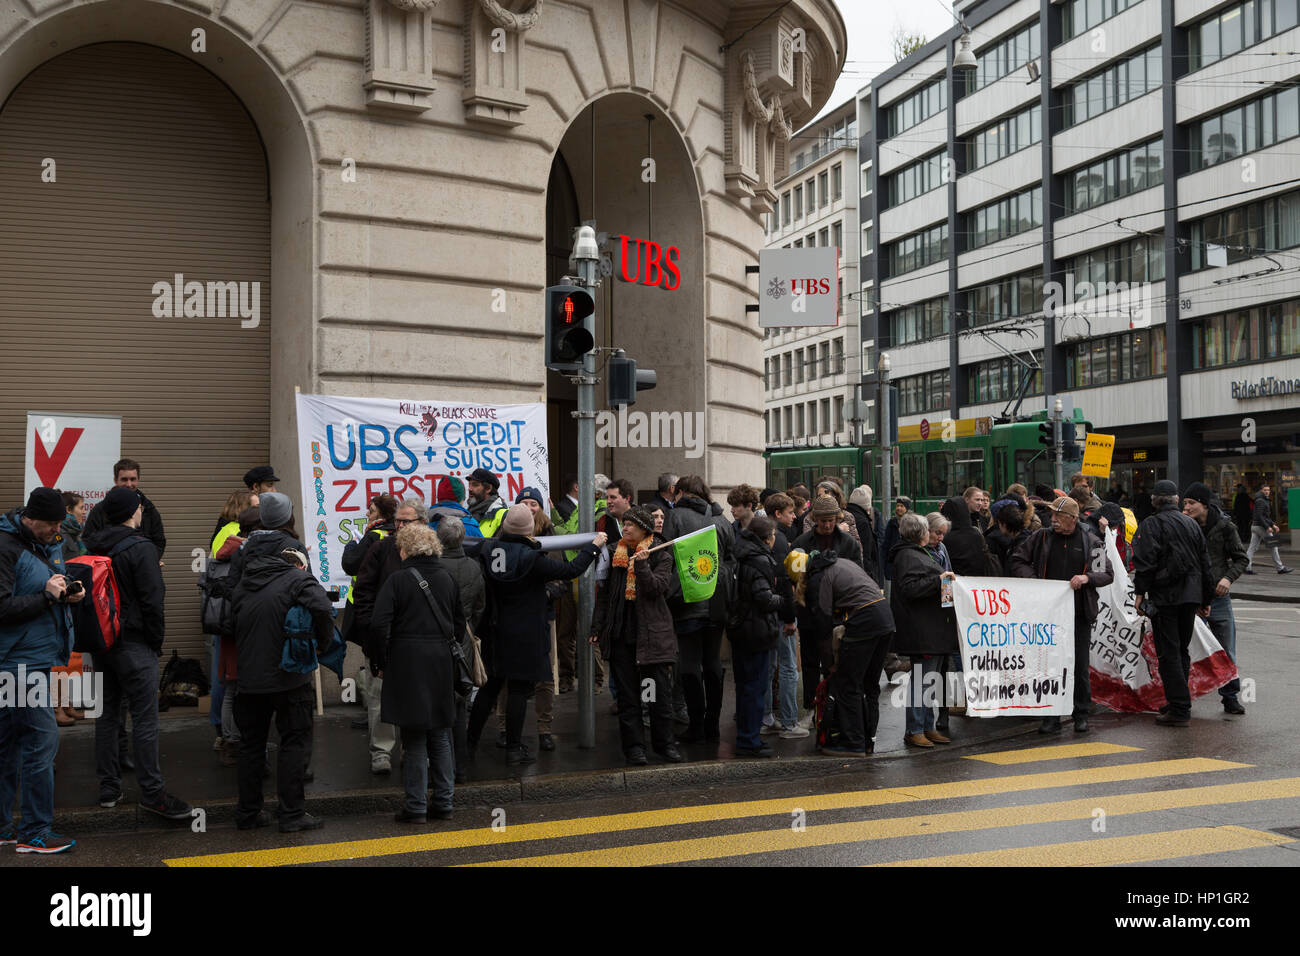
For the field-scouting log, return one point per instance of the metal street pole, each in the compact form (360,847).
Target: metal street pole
(1057,457)
(887,454)
(586,254)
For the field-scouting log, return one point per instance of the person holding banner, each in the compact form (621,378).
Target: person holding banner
(1171,578)
(1227,563)
(925,629)
(485,505)
(516,633)
(634,630)
(1068,552)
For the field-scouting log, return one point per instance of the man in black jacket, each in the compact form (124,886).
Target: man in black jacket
(666,496)
(130,669)
(1069,552)
(1171,577)
(269,588)
(126,474)
(1227,563)
(1261,526)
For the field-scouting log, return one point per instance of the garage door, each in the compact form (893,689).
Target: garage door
(157,172)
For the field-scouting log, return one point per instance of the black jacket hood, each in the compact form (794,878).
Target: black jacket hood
(106,539)
(698,505)
(955,510)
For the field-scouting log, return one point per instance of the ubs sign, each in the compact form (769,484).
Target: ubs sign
(1266,387)
(798,287)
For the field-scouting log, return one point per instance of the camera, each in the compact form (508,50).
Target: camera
(76,587)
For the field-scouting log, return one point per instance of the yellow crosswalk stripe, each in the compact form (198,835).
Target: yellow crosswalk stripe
(1115,851)
(1062,752)
(861,831)
(611,823)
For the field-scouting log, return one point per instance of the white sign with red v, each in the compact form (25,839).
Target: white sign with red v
(72,453)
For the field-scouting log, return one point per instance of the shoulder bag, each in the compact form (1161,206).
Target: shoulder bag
(463,675)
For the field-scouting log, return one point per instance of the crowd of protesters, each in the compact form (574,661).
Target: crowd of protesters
(460,612)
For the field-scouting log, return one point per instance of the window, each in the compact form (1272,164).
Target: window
(821,188)
(1247,231)
(839,413)
(1080,16)
(916,179)
(785,208)
(810,190)
(918,322)
(938,474)
(789,422)
(827,424)
(837,235)
(837,364)
(837,182)
(1006,217)
(812,418)
(798,202)
(917,250)
(864,174)
(1005,298)
(1126,357)
(825,368)
(868,240)
(1246,335)
(824,238)
(810,240)
(1117,175)
(923,393)
(798,366)
(799,429)
(1141,259)
(998,380)
(915,108)
(1228,31)
(1005,56)
(787,363)
(1004,137)
(1113,86)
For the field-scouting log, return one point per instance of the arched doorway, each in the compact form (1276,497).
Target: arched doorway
(160,180)
(601,162)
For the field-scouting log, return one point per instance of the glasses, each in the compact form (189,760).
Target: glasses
(403,521)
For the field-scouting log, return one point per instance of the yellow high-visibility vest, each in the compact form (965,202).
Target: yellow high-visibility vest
(352,585)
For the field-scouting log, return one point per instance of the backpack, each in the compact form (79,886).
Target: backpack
(182,683)
(97,618)
(299,653)
(214,606)
(472,529)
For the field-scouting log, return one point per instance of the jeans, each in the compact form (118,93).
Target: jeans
(383,737)
(229,729)
(218,695)
(426,750)
(700,646)
(292,710)
(516,708)
(1257,536)
(920,715)
(628,676)
(1173,625)
(856,688)
(751,674)
(130,677)
(1224,626)
(29,739)
(784,660)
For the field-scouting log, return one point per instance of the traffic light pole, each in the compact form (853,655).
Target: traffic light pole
(586,415)
(1058,450)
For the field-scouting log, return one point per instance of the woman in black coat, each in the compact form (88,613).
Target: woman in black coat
(925,630)
(410,644)
(966,546)
(515,630)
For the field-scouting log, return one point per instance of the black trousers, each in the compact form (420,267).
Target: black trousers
(292,710)
(701,656)
(856,689)
(815,655)
(516,708)
(1082,676)
(628,678)
(1173,626)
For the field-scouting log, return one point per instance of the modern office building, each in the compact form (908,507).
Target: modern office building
(1105,208)
(811,375)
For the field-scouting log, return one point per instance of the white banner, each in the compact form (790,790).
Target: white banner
(72,453)
(1017,646)
(352,449)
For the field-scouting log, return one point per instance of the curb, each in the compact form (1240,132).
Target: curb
(1267,598)
(541,789)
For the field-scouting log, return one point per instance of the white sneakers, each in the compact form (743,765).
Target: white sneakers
(795,733)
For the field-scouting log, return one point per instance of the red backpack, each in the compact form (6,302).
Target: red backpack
(97,618)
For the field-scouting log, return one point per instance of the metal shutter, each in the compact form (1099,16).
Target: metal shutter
(159,171)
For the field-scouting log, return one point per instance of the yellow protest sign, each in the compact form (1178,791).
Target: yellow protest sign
(1097,455)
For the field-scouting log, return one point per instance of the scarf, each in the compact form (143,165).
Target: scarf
(621,560)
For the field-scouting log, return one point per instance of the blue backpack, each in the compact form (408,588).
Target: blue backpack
(299,653)
(472,529)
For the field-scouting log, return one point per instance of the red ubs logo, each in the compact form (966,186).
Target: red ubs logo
(660,263)
(810,286)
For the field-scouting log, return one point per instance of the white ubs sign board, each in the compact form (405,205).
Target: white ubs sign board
(798,287)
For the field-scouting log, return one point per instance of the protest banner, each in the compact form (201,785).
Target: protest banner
(1017,646)
(1125,674)
(72,453)
(352,449)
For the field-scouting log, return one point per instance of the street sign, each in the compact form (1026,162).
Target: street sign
(798,287)
(1097,455)
(72,453)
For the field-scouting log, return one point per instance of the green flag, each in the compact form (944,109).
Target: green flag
(696,556)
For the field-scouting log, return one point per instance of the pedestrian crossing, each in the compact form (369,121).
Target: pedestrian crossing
(796,829)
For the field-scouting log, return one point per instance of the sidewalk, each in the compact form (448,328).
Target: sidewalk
(344,784)
(1266,584)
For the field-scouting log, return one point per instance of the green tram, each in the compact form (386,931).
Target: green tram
(931,470)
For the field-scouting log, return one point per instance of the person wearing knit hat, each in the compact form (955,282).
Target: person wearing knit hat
(1171,582)
(120,504)
(276,509)
(517,641)
(35,636)
(533,495)
(1068,551)
(641,518)
(449,490)
(1227,557)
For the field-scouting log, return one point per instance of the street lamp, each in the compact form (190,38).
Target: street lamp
(886,453)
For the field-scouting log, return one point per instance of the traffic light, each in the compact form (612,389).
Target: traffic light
(568,337)
(624,379)
(1071,445)
(1045,435)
